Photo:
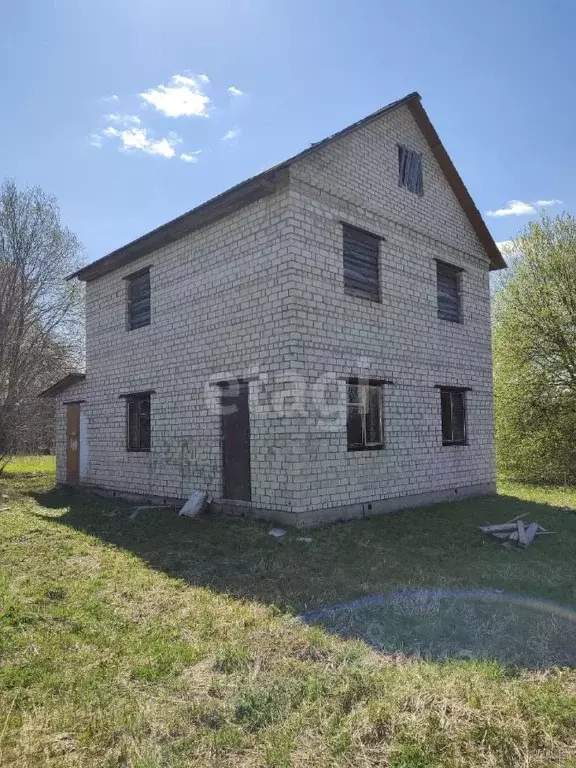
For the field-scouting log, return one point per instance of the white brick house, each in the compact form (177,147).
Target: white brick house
(346,290)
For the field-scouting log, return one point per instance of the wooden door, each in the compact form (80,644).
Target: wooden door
(72,442)
(235,421)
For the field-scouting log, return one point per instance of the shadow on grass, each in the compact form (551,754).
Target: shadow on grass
(445,624)
(423,564)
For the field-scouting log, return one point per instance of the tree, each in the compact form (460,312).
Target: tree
(535,355)
(39,310)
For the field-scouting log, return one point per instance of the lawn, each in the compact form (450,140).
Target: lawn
(162,641)
(30,465)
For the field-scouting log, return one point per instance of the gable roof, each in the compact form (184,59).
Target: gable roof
(269,181)
(63,384)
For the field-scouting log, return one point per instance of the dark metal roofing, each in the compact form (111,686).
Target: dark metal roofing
(71,378)
(269,181)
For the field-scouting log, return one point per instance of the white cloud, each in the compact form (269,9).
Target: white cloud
(96,140)
(233,91)
(111,98)
(504,245)
(233,133)
(123,119)
(164,147)
(520,208)
(190,157)
(181,80)
(182,97)
(548,203)
(138,139)
(514,208)
(204,79)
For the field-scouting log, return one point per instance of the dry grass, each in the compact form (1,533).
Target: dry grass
(166,642)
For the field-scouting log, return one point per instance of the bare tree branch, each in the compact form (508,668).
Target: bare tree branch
(40,313)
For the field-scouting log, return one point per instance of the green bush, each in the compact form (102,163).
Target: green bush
(535,356)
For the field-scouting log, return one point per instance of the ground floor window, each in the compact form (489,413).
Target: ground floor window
(453,406)
(364,415)
(138,422)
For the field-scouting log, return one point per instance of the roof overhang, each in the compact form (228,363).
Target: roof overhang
(209,212)
(63,384)
(458,187)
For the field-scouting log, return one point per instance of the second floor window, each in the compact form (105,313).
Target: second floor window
(138,422)
(361,274)
(138,296)
(448,288)
(364,416)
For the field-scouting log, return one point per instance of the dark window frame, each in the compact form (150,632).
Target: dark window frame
(449,272)
(367,241)
(139,411)
(410,170)
(365,388)
(135,304)
(452,399)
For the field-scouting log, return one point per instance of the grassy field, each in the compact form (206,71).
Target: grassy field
(30,465)
(161,641)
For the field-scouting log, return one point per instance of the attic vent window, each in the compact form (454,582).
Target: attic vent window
(410,170)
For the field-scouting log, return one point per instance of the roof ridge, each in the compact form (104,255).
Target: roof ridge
(268,181)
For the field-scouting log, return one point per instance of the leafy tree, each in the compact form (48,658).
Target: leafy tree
(39,310)
(535,355)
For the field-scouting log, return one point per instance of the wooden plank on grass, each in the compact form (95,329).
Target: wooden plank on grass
(500,528)
(530,532)
(518,517)
(522,540)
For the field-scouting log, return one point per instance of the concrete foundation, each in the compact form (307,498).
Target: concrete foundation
(315,517)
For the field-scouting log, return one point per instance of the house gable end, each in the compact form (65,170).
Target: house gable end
(361,167)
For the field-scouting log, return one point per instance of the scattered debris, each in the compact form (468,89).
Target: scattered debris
(277,532)
(522,538)
(196,504)
(515,532)
(307,539)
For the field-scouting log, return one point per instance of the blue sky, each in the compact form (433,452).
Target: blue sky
(496,78)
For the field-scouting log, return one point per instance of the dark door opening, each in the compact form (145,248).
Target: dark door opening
(72,443)
(235,421)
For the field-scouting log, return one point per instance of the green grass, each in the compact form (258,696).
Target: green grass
(30,465)
(164,641)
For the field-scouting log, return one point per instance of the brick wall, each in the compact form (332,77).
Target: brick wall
(400,339)
(260,293)
(216,312)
